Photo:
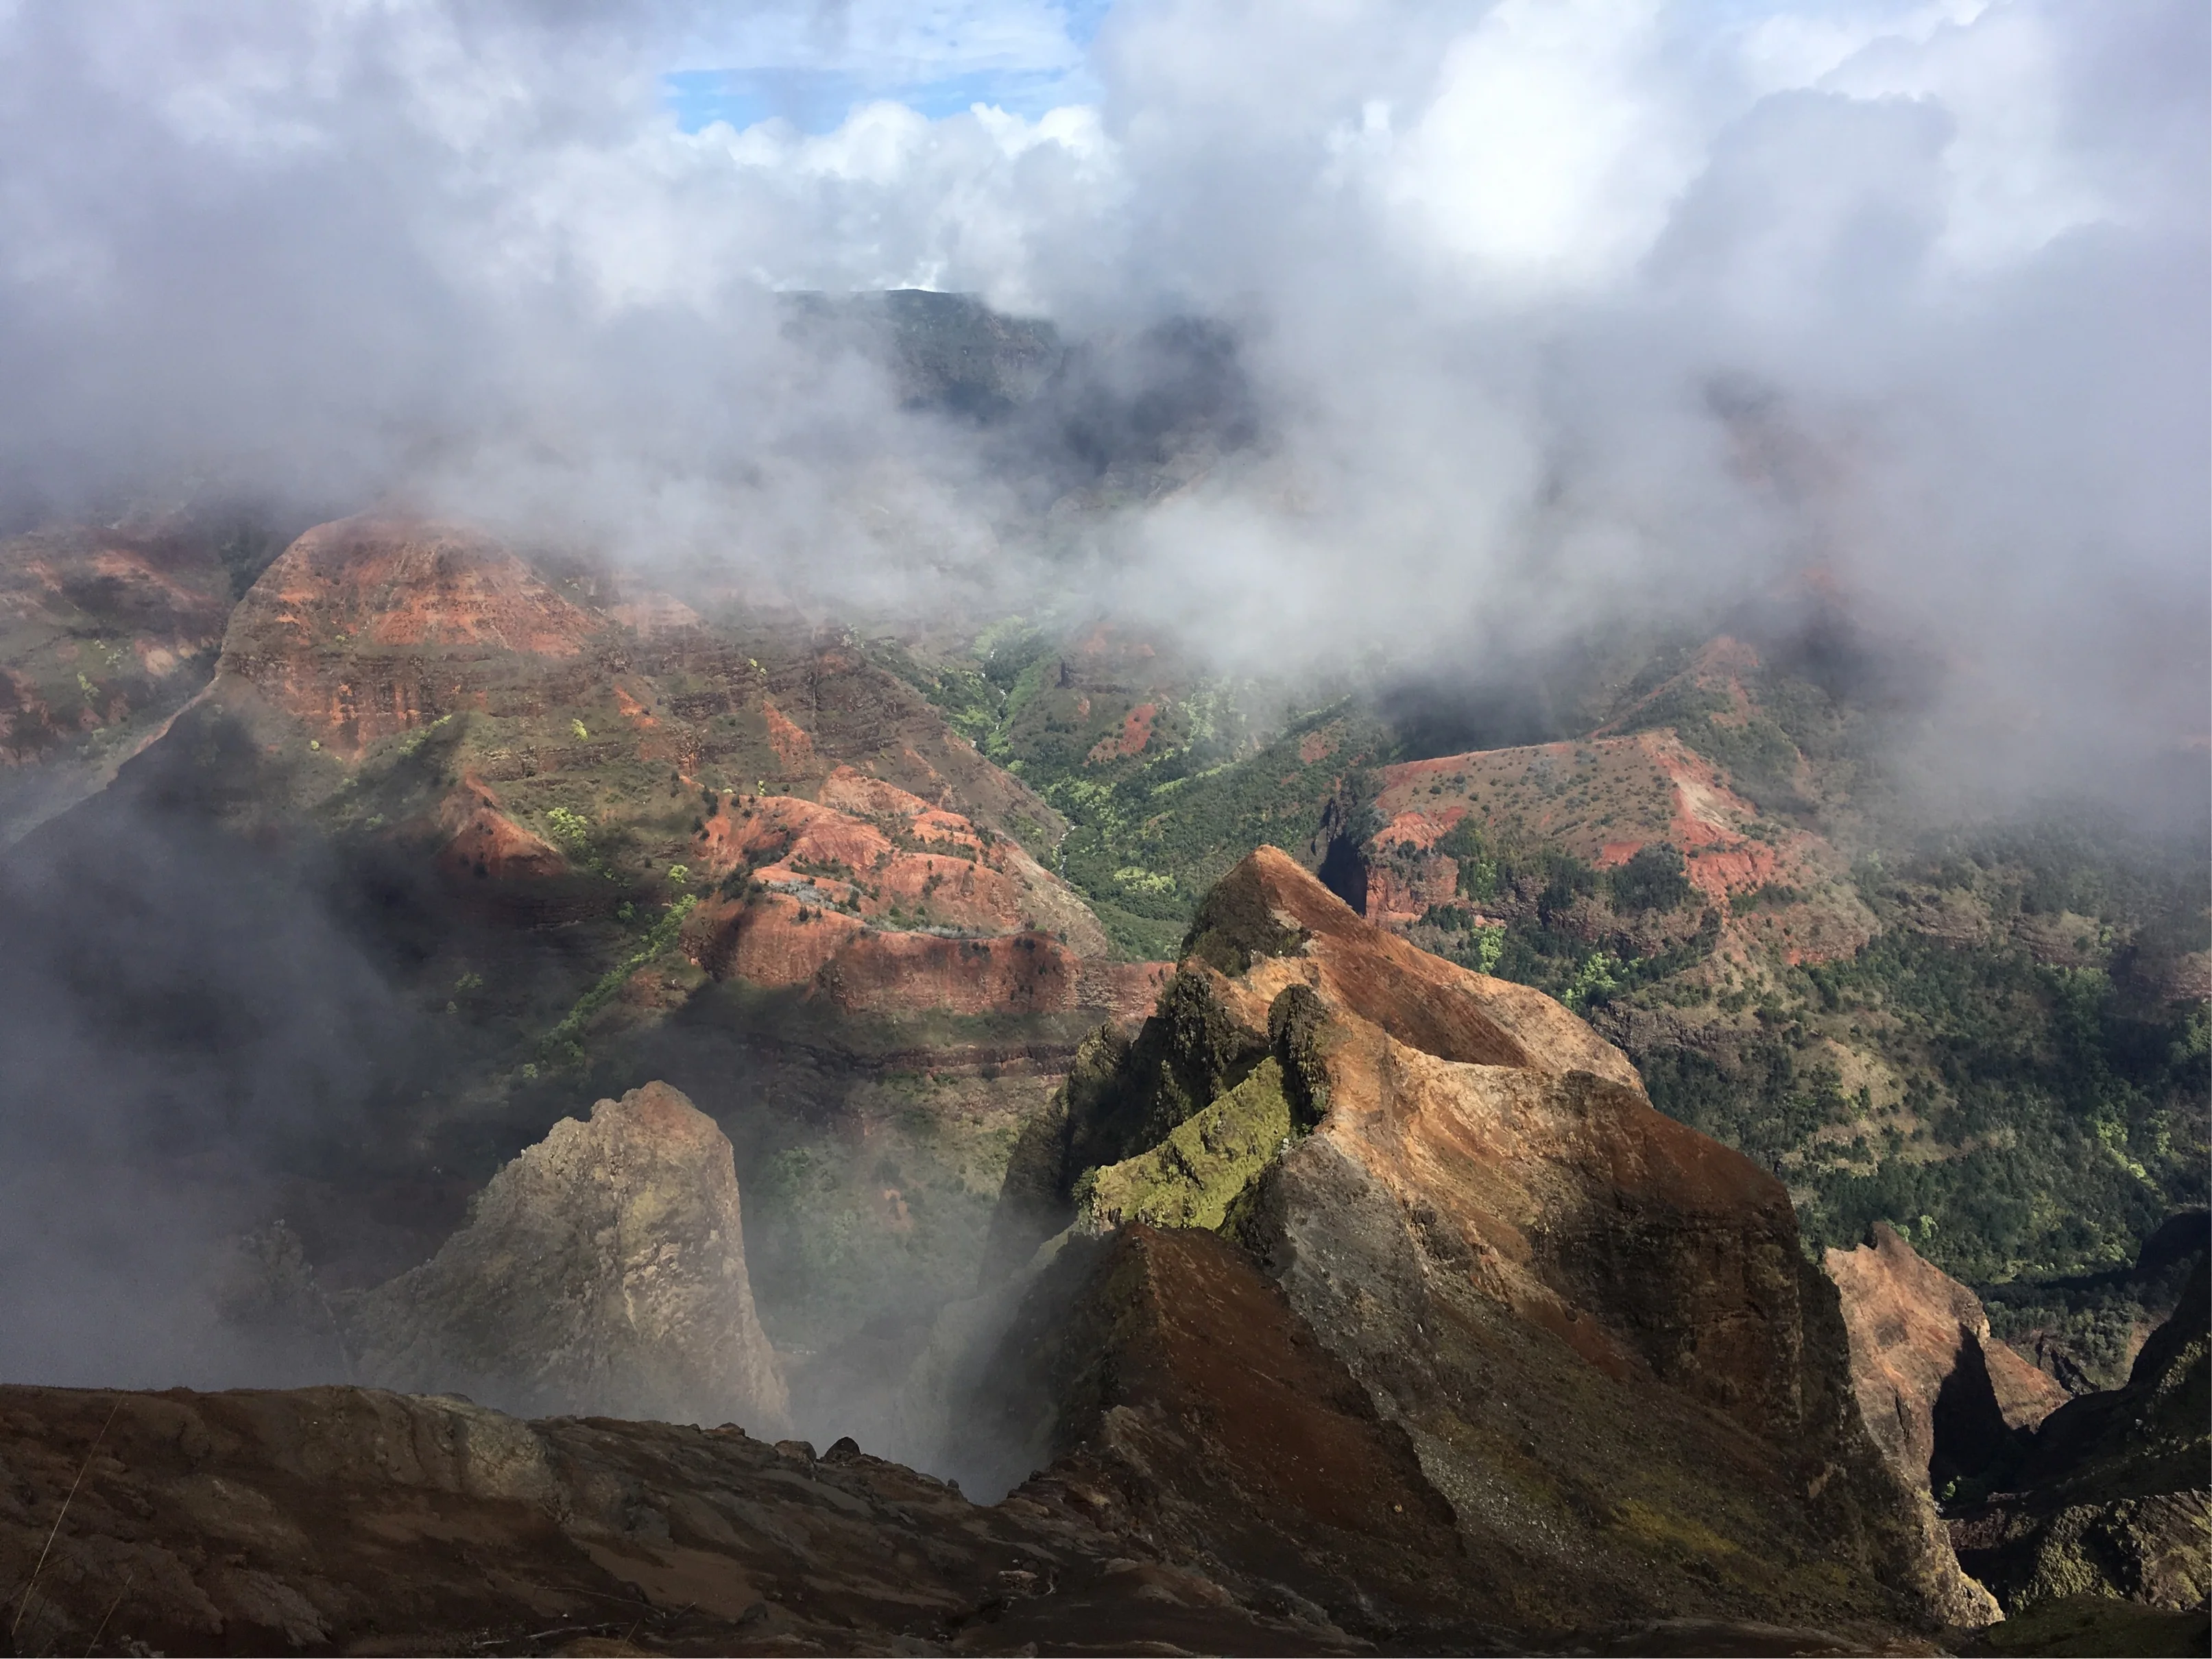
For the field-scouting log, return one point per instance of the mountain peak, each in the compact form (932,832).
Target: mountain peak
(601,1272)
(1270,922)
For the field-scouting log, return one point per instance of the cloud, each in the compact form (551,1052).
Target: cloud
(1549,153)
(1955,264)
(1531,299)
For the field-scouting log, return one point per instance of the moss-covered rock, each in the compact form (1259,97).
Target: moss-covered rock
(2097,1624)
(1189,1053)
(1193,1177)
(1296,1020)
(1171,1127)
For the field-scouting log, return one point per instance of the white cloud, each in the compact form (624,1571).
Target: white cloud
(1486,260)
(1552,151)
(1789,48)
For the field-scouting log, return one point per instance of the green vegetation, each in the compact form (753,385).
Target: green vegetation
(976,692)
(1150,832)
(1583,935)
(1191,1178)
(572,831)
(1652,879)
(1770,897)
(2018,1112)
(848,1236)
(1787,734)
(2094,1320)
(2037,1117)
(1149,839)
(563,1039)
(1998,1073)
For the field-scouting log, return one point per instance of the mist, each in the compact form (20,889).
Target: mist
(1550,315)
(1452,338)
(195,1044)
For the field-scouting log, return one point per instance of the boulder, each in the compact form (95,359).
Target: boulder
(602,1273)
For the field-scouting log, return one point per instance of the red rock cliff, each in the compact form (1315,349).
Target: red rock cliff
(370,626)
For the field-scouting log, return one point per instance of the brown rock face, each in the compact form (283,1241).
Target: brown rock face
(349,1520)
(1162,1371)
(368,627)
(1651,1250)
(1594,1327)
(601,1272)
(879,852)
(486,842)
(1920,1347)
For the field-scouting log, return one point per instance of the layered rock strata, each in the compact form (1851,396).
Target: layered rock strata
(842,840)
(883,904)
(368,627)
(603,1271)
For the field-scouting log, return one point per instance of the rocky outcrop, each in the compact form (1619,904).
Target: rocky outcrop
(1941,1397)
(1162,1371)
(487,844)
(348,1520)
(2110,1496)
(874,852)
(1525,1268)
(601,1272)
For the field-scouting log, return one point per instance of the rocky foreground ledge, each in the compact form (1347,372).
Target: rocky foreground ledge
(352,1520)
(347,1519)
(357,1520)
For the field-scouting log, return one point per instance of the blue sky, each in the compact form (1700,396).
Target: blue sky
(812,61)
(937,57)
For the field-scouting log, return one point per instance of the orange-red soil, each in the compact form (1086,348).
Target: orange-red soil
(882,902)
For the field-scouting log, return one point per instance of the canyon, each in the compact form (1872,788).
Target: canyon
(1281,1277)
